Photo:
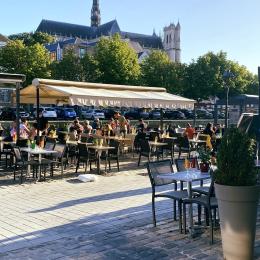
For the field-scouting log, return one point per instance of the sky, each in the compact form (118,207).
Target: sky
(206,25)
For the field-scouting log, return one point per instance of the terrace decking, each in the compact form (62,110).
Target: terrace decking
(107,219)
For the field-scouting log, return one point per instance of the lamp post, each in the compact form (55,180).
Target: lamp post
(226,76)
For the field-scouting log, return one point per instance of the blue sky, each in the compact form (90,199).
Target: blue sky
(207,25)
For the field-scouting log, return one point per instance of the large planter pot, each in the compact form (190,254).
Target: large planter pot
(237,210)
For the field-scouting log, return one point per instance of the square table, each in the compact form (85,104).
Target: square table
(189,177)
(99,149)
(37,151)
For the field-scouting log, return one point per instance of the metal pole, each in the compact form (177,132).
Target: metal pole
(215,111)
(18,85)
(259,92)
(194,115)
(161,119)
(38,112)
(226,109)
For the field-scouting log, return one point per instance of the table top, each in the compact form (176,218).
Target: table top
(170,137)
(37,150)
(101,148)
(120,139)
(197,141)
(187,176)
(157,143)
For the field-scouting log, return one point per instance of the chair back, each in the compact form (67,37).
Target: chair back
(157,168)
(17,154)
(83,150)
(183,142)
(84,138)
(202,137)
(60,149)
(145,147)
(49,146)
(180,164)
(116,145)
(170,143)
(153,135)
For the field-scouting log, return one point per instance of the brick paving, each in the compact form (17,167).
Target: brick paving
(107,219)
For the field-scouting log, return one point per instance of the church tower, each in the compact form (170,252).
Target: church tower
(171,42)
(177,38)
(95,14)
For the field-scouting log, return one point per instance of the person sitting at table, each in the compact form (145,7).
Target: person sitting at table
(122,123)
(33,132)
(141,127)
(24,129)
(78,127)
(73,134)
(189,131)
(209,130)
(96,124)
(87,127)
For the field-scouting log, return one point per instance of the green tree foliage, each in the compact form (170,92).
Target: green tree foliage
(30,39)
(90,68)
(117,61)
(33,61)
(204,77)
(69,68)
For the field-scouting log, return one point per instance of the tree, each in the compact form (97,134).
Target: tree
(159,71)
(117,61)
(204,77)
(69,68)
(90,68)
(156,69)
(30,39)
(33,61)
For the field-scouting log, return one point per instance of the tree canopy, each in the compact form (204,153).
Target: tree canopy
(30,39)
(33,61)
(117,61)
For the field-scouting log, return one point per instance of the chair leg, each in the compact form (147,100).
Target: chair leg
(109,165)
(174,210)
(180,216)
(139,160)
(184,218)
(153,208)
(199,214)
(210,225)
(117,164)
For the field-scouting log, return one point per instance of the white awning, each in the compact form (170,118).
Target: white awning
(105,95)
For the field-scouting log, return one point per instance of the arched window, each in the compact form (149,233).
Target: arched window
(167,39)
(170,38)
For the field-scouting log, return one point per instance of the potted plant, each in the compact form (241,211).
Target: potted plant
(237,193)
(204,156)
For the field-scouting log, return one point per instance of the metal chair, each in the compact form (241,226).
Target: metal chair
(146,151)
(154,170)
(209,202)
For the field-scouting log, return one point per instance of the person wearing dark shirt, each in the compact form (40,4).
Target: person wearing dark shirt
(209,130)
(43,124)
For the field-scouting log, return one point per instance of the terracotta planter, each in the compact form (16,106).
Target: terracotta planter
(237,210)
(204,167)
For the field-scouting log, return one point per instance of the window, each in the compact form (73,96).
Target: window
(82,52)
(53,56)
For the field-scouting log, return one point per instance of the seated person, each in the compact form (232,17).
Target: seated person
(87,127)
(189,131)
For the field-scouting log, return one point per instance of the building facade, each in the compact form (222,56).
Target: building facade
(3,40)
(87,36)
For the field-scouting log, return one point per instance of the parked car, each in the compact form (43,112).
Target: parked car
(9,113)
(203,114)
(174,114)
(93,113)
(155,114)
(109,113)
(47,112)
(136,113)
(66,113)
(189,114)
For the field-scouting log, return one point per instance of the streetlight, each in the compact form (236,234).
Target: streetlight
(226,76)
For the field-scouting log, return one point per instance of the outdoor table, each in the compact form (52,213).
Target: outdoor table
(99,149)
(157,144)
(37,151)
(170,137)
(189,177)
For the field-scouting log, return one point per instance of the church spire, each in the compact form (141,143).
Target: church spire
(95,14)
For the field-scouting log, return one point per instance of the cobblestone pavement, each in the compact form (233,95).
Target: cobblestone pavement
(107,219)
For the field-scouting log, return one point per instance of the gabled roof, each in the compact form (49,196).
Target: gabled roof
(65,29)
(75,30)
(3,38)
(149,41)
